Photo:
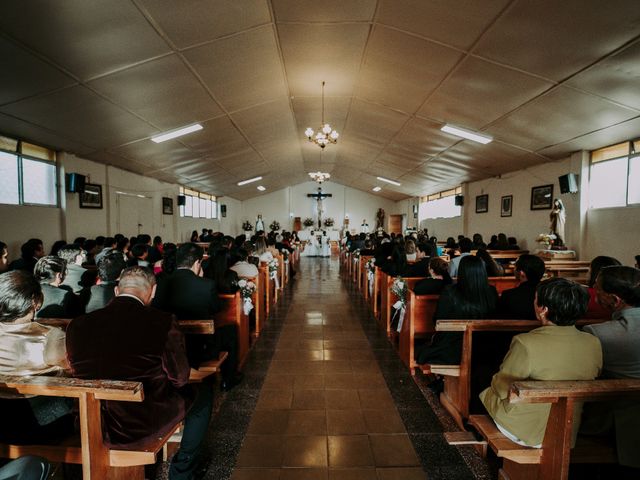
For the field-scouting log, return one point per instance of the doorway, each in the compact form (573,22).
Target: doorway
(395,224)
(135,214)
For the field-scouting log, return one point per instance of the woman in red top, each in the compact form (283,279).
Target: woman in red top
(594,310)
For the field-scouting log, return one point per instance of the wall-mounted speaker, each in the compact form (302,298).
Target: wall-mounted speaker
(459,200)
(182,200)
(75,182)
(223,210)
(568,183)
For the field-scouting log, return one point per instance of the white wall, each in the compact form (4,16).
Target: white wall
(280,204)
(614,232)
(22,223)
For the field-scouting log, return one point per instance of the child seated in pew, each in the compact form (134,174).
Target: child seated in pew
(517,303)
(470,298)
(556,350)
(438,278)
(28,348)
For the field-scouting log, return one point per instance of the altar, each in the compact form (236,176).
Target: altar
(305,235)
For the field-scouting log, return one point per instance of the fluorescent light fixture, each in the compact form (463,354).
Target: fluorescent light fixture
(392,182)
(163,137)
(251,180)
(261,188)
(377,189)
(469,135)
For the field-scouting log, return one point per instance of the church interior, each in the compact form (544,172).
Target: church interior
(347,122)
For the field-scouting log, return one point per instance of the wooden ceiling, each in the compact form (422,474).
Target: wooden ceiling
(99,78)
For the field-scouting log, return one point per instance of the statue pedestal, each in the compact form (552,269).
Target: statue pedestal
(557,254)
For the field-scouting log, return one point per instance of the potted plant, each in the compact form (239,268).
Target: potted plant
(246,226)
(274,226)
(308,222)
(328,222)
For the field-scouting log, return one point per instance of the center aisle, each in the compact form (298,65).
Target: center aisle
(335,402)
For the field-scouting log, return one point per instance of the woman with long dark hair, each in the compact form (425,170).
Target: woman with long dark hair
(397,265)
(226,280)
(470,298)
(595,310)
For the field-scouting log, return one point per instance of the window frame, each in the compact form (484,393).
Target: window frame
(19,158)
(630,154)
(450,192)
(203,199)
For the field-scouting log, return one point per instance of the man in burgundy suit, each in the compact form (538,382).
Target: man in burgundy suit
(128,340)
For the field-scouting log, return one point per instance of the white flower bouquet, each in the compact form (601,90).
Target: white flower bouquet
(247,289)
(399,289)
(273,271)
(285,255)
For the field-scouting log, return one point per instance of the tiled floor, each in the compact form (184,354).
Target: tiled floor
(324,411)
(325,397)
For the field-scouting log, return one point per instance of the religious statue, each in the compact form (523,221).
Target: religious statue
(365,226)
(259,224)
(557,219)
(380,219)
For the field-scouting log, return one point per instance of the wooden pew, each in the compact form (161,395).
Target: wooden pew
(389,298)
(383,287)
(269,289)
(503,283)
(186,326)
(458,392)
(99,462)
(418,322)
(232,313)
(551,462)
(375,297)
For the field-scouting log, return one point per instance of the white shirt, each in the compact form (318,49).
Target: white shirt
(455,263)
(245,269)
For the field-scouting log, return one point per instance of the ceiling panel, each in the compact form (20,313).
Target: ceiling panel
(80,114)
(228,68)
(373,124)
(189,22)
(555,39)
(25,74)
(558,117)
(616,77)
(422,139)
(156,155)
(343,43)
(218,138)
(479,92)
(162,91)
(88,38)
(401,70)
(327,11)
(458,24)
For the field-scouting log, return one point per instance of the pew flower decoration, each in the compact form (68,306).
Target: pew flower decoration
(399,289)
(275,225)
(273,271)
(285,255)
(246,226)
(328,222)
(308,222)
(371,271)
(247,289)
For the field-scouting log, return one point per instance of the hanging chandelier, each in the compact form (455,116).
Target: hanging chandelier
(325,133)
(319,176)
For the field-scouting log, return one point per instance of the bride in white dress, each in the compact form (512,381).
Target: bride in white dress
(313,247)
(326,245)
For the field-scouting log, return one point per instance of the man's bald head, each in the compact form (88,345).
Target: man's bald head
(139,282)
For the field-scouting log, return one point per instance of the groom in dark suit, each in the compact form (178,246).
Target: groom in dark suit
(189,296)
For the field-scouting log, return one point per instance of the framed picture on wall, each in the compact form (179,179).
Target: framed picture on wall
(542,197)
(506,206)
(167,206)
(482,203)
(91,196)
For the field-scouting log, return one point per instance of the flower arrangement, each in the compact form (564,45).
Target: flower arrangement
(246,226)
(285,254)
(247,289)
(275,225)
(546,238)
(356,254)
(328,222)
(399,289)
(371,265)
(273,271)
(308,222)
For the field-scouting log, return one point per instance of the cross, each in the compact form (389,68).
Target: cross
(319,197)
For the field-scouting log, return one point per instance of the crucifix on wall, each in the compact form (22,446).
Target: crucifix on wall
(319,197)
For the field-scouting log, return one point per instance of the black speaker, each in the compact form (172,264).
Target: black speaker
(75,182)
(223,210)
(568,183)
(182,200)
(459,200)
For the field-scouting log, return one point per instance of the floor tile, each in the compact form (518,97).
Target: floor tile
(393,451)
(350,451)
(306,399)
(261,451)
(307,422)
(342,399)
(269,422)
(305,451)
(345,422)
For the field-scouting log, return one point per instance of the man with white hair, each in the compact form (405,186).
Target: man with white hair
(129,340)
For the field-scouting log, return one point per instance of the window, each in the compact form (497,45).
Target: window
(441,205)
(198,205)
(614,179)
(27,174)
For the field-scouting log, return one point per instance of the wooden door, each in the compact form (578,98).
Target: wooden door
(395,223)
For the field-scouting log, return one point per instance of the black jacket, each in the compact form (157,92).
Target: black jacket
(517,302)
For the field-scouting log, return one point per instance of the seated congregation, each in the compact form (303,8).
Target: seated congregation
(488,348)
(142,326)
